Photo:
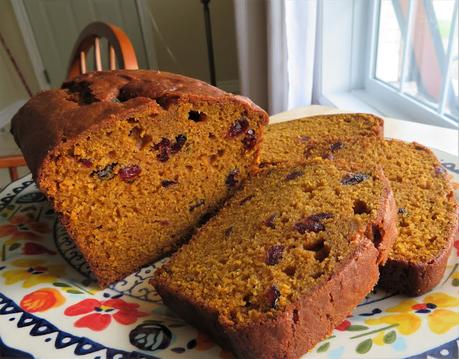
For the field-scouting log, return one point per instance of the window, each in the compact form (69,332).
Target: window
(416,54)
(398,58)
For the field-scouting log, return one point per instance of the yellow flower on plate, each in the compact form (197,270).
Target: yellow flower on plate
(408,314)
(32,272)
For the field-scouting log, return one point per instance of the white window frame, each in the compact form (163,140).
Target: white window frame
(347,30)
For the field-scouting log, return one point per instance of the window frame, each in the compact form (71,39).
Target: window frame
(361,90)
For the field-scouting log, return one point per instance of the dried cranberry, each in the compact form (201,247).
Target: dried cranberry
(246,199)
(250,140)
(328,156)
(336,146)
(293,175)
(269,222)
(198,203)
(320,216)
(439,170)
(105,173)
(308,225)
(312,223)
(85,162)
(167,183)
(354,178)
(164,147)
(129,173)
(238,127)
(274,254)
(272,295)
(228,231)
(231,180)
(179,143)
(402,211)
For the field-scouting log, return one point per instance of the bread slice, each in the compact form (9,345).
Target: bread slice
(427,209)
(427,218)
(292,139)
(285,261)
(133,160)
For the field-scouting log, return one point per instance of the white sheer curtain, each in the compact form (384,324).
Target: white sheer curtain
(276,42)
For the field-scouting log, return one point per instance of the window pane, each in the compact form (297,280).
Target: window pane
(452,100)
(419,70)
(390,45)
(428,47)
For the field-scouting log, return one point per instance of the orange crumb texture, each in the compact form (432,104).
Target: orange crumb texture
(243,264)
(427,213)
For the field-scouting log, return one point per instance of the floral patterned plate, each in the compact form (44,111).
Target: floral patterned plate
(50,305)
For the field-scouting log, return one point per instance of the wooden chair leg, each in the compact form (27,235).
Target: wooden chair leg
(14,175)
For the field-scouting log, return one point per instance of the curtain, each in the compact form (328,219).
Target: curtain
(276,61)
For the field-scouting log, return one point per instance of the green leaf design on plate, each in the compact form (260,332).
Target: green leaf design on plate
(74,291)
(14,246)
(60,284)
(390,337)
(364,347)
(356,328)
(456,282)
(323,348)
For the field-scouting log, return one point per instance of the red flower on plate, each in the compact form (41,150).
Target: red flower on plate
(99,314)
(23,227)
(344,325)
(31,248)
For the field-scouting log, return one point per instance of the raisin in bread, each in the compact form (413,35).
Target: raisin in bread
(291,139)
(285,261)
(427,209)
(133,160)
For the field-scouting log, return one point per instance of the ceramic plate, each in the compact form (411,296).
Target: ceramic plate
(51,307)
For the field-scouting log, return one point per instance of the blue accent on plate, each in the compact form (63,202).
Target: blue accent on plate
(6,200)
(41,327)
(451,167)
(446,351)
(8,352)
(31,197)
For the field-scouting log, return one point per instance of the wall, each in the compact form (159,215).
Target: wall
(11,88)
(182,33)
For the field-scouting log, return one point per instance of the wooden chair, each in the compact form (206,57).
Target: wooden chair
(120,49)
(120,54)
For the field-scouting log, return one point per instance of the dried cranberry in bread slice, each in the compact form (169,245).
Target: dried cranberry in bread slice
(427,208)
(286,140)
(133,160)
(285,261)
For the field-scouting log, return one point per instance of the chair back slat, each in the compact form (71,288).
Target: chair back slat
(83,62)
(112,58)
(97,57)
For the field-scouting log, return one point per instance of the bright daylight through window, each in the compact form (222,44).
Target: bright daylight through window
(416,53)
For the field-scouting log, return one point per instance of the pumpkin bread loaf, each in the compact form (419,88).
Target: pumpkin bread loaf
(427,215)
(287,140)
(133,160)
(285,261)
